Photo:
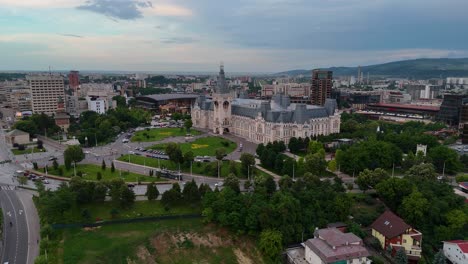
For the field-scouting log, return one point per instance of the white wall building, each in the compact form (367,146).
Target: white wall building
(97,105)
(456,251)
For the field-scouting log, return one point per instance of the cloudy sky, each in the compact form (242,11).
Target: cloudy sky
(247,35)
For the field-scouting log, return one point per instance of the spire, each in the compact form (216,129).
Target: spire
(222,87)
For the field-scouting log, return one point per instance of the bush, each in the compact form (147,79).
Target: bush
(99,176)
(79,173)
(21,147)
(15,145)
(462,178)
(376,260)
(60,171)
(35,166)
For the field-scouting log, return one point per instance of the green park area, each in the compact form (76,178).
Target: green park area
(90,172)
(205,146)
(27,151)
(168,241)
(157,134)
(200,168)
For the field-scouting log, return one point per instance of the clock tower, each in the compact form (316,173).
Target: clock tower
(222,99)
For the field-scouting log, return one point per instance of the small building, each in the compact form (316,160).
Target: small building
(330,245)
(17,137)
(392,231)
(456,251)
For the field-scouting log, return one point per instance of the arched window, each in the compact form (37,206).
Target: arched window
(226,105)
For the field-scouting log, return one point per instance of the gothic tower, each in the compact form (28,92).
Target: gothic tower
(222,99)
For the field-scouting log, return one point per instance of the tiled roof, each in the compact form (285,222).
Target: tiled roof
(16,132)
(390,225)
(332,245)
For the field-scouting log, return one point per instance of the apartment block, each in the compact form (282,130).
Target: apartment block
(45,92)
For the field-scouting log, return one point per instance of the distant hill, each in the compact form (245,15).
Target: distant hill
(416,69)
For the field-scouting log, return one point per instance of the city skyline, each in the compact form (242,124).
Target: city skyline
(257,36)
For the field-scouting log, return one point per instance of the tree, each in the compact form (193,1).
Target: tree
(231,181)
(55,164)
(443,156)
(127,197)
(414,207)
(40,144)
(439,258)
(121,101)
(423,171)
(401,257)
(368,179)
(247,160)
(99,176)
(112,167)
(285,183)
(188,158)
(191,194)
(188,124)
(315,147)
(174,152)
(73,154)
(315,163)
(271,243)
(279,162)
(35,166)
(103,165)
(220,153)
(152,192)
(233,167)
(22,180)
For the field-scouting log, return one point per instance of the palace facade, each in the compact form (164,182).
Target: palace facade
(262,121)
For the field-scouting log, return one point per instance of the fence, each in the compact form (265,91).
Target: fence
(126,221)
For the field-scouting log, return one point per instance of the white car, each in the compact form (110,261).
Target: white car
(125,140)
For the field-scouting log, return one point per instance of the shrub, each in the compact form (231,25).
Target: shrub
(79,173)
(21,147)
(99,176)
(35,166)
(462,178)
(60,171)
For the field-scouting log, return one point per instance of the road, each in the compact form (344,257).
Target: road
(16,248)
(20,241)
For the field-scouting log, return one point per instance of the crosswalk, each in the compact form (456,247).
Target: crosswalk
(7,187)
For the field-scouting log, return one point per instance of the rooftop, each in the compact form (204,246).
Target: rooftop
(16,132)
(164,97)
(390,225)
(462,244)
(331,245)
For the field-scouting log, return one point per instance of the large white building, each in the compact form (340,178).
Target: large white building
(262,121)
(456,251)
(45,92)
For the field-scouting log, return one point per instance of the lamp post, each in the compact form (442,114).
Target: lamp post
(86,141)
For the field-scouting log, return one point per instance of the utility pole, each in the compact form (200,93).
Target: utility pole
(443,171)
(294,161)
(95,138)
(74,168)
(393,170)
(190,168)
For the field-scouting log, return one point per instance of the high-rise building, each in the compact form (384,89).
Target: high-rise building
(45,92)
(74,80)
(322,82)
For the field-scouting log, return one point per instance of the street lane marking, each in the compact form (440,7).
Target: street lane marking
(16,226)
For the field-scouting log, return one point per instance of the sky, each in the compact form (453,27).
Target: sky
(246,35)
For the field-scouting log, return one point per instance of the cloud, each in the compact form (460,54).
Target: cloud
(179,40)
(71,35)
(117,9)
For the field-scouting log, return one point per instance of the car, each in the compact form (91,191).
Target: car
(137,153)
(45,181)
(131,152)
(130,185)
(125,140)
(52,158)
(86,152)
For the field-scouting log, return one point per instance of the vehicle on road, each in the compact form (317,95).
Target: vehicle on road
(45,181)
(18,173)
(52,158)
(86,152)
(125,140)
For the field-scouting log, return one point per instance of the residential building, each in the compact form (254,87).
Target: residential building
(97,105)
(391,231)
(45,91)
(19,99)
(75,105)
(262,121)
(61,118)
(17,137)
(456,251)
(322,82)
(74,80)
(330,245)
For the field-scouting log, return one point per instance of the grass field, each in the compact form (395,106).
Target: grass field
(201,168)
(157,134)
(90,173)
(169,241)
(204,146)
(102,211)
(27,151)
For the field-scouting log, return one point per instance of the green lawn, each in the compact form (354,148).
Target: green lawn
(201,168)
(27,151)
(90,171)
(157,134)
(101,211)
(205,146)
(182,241)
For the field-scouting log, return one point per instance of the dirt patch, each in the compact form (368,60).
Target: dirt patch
(208,240)
(241,257)
(143,254)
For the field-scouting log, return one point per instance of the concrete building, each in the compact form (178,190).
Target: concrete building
(451,107)
(456,251)
(322,82)
(74,80)
(17,137)
(45,91)
(262,121)
(97,105)
(19,99)
(75,105)
(330,245)
(391,231)
(61,118)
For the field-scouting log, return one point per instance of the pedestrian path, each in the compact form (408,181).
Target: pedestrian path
(7,187)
